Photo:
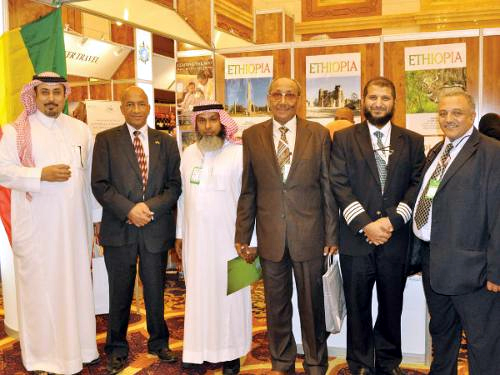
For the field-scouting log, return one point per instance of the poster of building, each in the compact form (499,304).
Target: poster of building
(246,83)
(428,70)
(195,83)
(332,82)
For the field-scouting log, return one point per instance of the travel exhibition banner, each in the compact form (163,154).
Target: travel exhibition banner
(332,82)
(246,82)
(428,70)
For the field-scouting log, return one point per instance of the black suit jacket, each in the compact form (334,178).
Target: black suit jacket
(354,177)
(301,212)
(465,228)
(117,185)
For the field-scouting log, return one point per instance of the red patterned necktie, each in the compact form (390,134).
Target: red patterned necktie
(141,159)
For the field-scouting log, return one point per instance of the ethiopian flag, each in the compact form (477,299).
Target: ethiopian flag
(34,48)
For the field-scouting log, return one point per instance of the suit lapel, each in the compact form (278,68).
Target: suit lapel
(301,138)
(465,153)
(154,141)
(266,136)
(396,147)
(365,145)
(128,148)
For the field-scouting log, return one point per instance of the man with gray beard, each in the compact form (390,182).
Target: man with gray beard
(217,327)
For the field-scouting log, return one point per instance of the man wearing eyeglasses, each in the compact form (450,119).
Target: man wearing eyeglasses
(375,173)
(457,222)
(286,191)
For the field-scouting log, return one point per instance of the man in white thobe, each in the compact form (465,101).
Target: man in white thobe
(45,160)
(217,326)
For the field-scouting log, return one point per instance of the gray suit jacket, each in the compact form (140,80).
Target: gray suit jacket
(300,213)
(465,229)
(117,185)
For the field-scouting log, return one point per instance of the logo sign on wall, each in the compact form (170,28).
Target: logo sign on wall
(88,57)
(247,82)
(428,70)
(332,82)
(143,56)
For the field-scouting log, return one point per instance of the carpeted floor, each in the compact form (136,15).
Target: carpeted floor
(257,362)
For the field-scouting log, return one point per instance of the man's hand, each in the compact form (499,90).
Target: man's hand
(247,253)
(56,173)
(140,215)
(330,250)
(492,287)
(378,232)
(178,247)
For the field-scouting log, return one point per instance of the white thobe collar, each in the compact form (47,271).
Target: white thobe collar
(47,121)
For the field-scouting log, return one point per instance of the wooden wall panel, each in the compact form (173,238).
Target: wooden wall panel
(233,27)
(316,10)
(197,14)
(100,92)
(394,68)
(289,29)
(165,3)
(370,64)
(269,28)
(22,12)
(163,46)
(491,75)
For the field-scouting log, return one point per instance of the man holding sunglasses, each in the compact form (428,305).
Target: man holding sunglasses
(286,191)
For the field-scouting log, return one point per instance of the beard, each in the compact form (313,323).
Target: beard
(378,121)
(208,143)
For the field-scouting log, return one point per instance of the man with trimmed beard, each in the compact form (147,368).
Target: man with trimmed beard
(45,159)
(375,173)
(217,326)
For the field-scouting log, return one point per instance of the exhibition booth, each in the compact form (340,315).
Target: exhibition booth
(107,50)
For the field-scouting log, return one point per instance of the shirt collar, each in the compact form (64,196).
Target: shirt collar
(458,141)
(384,129)
(291,125)
(45,120)
(143,130)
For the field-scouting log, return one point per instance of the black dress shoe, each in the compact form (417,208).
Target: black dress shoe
(116,364)
(93,362)
(189,365)
(231,367)
(164,354)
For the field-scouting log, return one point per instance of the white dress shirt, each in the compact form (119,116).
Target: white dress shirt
(386,139)
(291,134)
(424,233)
(144,140)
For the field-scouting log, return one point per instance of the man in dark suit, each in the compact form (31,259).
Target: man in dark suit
(375,173)
(457,221)
(135,177)
(286,190)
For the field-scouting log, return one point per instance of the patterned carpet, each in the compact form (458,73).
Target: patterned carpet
(257,362)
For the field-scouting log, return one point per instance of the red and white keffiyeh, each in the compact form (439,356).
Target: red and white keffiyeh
(230,126)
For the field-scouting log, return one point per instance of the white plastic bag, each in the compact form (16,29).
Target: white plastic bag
(335,309)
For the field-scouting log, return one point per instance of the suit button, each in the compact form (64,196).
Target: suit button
(282,216)
(284,190)
(378,213)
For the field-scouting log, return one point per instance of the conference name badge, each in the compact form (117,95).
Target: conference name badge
(433,186)
(195,175)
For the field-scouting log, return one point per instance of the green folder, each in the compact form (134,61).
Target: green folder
(241,274)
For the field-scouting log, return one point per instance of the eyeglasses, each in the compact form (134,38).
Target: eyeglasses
(277,96)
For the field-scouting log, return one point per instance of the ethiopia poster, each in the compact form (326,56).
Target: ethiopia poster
(428,70)
(332,82)
(247,80)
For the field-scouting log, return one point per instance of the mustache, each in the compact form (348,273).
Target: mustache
(51,103)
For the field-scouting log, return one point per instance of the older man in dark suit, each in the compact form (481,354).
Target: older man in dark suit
(135,177)
(375,174)
(457,222)
(286,190)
